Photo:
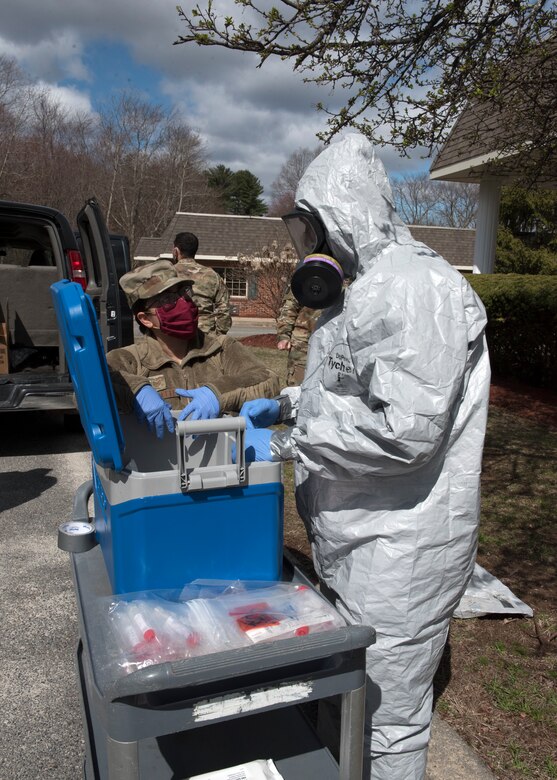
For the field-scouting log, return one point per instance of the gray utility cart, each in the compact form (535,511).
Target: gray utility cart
(180,515)
(175,720)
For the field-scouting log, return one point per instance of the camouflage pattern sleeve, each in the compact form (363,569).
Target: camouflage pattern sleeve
(127,375)
(223,320)
(299,340)
(210,295)
(305,324)
(287,316)
(252,378)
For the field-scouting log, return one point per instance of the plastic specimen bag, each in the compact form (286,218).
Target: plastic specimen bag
(208,617)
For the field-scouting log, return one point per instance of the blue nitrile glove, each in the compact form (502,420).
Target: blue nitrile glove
(257,444)
(204,404)
(151,409)
(260,413)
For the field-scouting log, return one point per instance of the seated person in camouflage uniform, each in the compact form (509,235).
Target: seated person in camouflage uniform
(176,365)
(209,290)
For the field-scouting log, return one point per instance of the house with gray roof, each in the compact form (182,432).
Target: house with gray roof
(224,239)
(491,144)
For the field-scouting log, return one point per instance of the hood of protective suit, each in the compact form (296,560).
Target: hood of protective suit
(346,185)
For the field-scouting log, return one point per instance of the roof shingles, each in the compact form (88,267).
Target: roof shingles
(223,236)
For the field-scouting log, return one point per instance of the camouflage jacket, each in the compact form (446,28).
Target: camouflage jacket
(218,362)
(210,294)
(296,322)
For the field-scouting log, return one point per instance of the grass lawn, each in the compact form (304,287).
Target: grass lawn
(497,684)
(498,679)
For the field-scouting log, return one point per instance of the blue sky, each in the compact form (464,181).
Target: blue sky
(252,118)
(112,68)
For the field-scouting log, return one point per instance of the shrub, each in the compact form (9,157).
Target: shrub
(522,325)
(513,255)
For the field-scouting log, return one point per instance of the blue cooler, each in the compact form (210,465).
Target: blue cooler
(173,510)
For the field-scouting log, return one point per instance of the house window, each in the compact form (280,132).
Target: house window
(235,280)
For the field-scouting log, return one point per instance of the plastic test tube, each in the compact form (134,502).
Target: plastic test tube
(138,618)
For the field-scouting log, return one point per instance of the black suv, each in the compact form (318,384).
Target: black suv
(39,247)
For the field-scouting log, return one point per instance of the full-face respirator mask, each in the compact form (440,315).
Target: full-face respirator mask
(317,279)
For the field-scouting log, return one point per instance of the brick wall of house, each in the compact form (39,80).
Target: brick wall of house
(244,307)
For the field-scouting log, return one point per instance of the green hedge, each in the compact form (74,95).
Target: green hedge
(522,325)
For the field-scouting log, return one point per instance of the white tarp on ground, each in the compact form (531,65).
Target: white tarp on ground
(486,595)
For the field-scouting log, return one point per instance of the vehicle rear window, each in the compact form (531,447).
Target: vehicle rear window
(25,245)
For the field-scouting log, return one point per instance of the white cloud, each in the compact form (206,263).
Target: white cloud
(51,59)
(253,125)
(71,99)
(249,117)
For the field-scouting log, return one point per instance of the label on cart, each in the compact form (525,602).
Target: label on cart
(228,706)
(254,770)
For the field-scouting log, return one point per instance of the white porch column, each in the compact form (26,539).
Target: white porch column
(486,226)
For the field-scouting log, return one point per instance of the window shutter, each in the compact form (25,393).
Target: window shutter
(252,288)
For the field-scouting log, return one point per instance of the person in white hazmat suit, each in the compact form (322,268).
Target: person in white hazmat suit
(388,433)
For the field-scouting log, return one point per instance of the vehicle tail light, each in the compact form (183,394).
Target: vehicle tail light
(77,269)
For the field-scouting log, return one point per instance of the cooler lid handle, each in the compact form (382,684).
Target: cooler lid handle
(211,477)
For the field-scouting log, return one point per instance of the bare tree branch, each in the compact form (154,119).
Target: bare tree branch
(409,69)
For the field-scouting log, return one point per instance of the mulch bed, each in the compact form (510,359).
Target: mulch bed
(538,404)
(263,340)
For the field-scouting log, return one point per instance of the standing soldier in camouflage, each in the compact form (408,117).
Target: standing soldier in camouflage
(295,325)
(209,290)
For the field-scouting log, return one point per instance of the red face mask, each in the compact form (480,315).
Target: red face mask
(180,320)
